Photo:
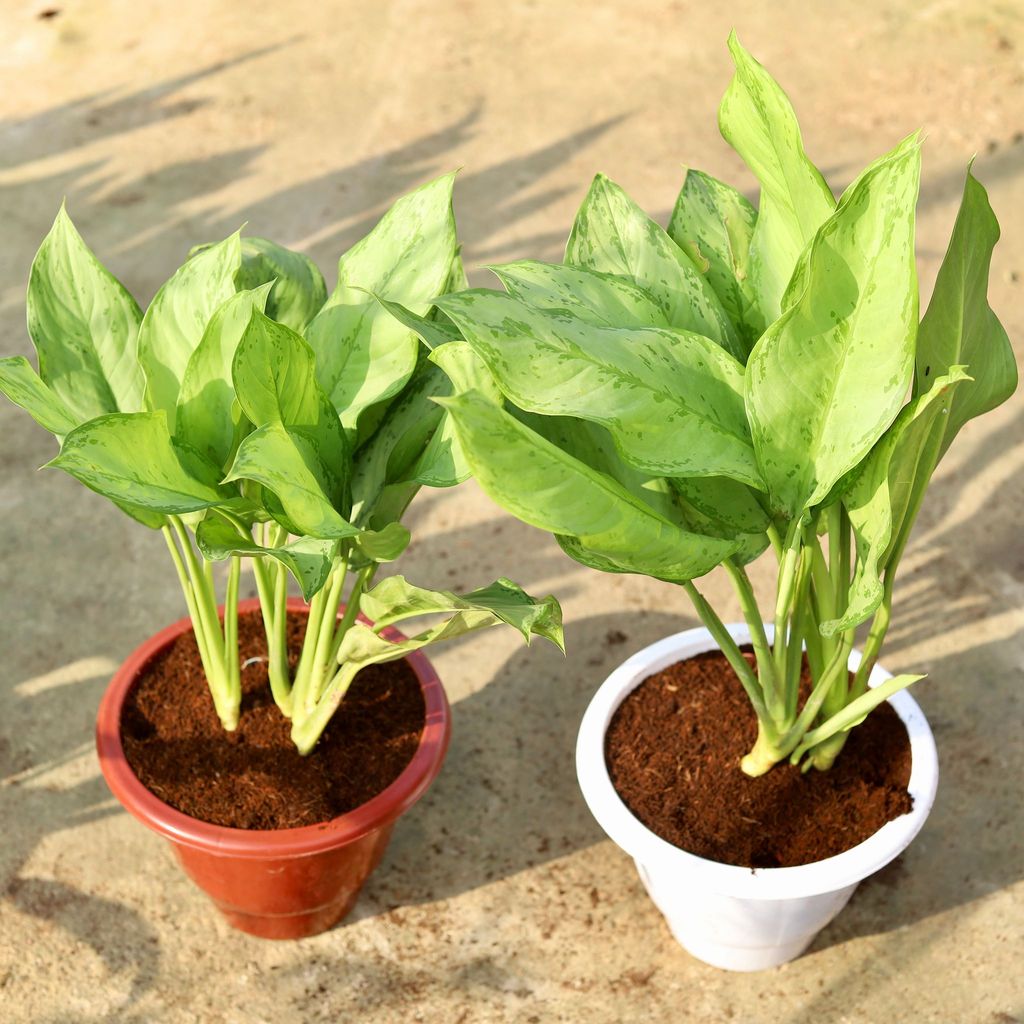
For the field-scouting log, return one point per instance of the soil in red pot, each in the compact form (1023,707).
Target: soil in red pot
(253,777)
(673,750)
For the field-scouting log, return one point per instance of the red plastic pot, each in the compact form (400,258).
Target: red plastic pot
(288,883)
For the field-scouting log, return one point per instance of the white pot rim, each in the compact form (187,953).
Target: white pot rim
(640,842)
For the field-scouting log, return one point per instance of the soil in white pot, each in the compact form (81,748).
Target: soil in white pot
(673,750)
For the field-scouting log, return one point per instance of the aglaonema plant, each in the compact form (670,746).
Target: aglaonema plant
(250,416)
(671,401)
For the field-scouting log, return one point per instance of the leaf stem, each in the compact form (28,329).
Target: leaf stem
(797,635)
(767,679)
(231,626)
(322,696)
(784,595)
(197,581)
(875,639)
(730,649)
(836,666)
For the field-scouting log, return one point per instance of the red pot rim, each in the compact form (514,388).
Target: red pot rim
(383,809)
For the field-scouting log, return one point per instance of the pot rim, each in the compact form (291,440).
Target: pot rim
(181,828)
(833,873)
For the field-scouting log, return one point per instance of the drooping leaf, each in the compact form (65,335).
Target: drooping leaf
(298,289)
(827,378)
(308,559)
(85,327)
(613,235)
(131,458)
(364,355)
(177,317)
(728,502)
(959,326)
(672,400)
(590,295)
(23,386)
(757,120)
(714,225)
(501,602)
(208,415)
(395,599)
(543,486)
(749,545)
(876,501)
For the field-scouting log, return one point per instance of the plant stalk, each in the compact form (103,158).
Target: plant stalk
(730,649)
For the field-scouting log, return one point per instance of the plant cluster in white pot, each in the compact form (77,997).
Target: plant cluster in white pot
(748,382)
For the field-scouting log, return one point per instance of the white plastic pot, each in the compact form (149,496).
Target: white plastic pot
(738,918)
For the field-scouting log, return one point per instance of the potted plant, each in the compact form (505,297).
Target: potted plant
(674,401)
(250,417)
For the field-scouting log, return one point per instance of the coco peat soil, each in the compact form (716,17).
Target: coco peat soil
(673,750)
(254,778)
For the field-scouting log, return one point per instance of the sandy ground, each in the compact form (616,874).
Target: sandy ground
(165,124)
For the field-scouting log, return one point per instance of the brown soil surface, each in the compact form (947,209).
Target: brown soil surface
(253,777)
(673,750)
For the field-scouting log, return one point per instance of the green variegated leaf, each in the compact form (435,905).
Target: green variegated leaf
(177,317)
(613,235)
(598,298)
(748,545)
(828,377)
(466,370)
(433,333)
(364,355)
(876,501)
(457,279)
(395,599)
(714,224)
(726,501)
(306,558)
(132,459)
(501,602)
(23,386)
(289,464)
(671,400)
(757,120)
(593,445)
(384,545)
(959,326)
(579,552)
(274,374)
(298,289)
(208,415)
(442,463)
(402,436)
(84,326)
(542,485)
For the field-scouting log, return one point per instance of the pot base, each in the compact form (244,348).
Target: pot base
(286,898)
(719,929)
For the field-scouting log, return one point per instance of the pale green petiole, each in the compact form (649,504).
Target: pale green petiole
(217,641)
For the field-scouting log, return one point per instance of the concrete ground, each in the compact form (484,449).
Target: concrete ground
(166,124)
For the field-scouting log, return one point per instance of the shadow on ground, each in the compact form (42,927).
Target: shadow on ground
(507,797)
